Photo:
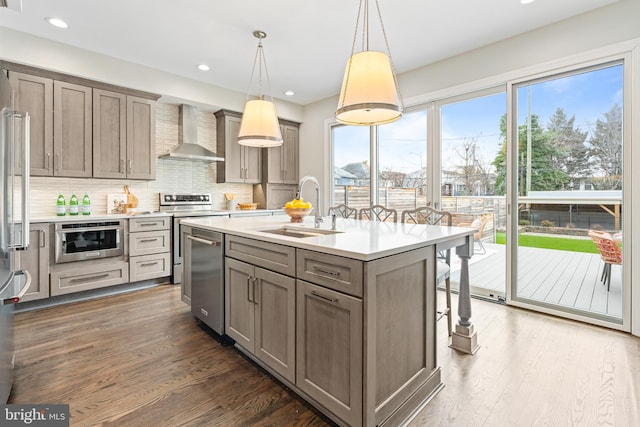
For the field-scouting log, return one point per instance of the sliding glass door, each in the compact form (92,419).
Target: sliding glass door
(567,161)
(469,137)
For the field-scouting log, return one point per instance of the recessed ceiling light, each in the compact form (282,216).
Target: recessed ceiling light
(57,22)
(203,67)
(526,1)
(289,93)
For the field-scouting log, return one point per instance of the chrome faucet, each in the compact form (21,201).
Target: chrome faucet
(304,179)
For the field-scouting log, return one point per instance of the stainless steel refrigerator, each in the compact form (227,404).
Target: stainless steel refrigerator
(14,222)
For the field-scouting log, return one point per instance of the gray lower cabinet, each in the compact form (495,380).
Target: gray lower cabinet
(36,261)
(84,276)
(364,335)
(149,248)
(329,350)
(260,314)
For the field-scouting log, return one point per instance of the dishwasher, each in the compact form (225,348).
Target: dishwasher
(203,272)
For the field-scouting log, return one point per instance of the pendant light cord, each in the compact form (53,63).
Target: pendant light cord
(259,59)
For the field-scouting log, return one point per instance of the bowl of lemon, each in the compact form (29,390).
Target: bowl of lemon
(297,209)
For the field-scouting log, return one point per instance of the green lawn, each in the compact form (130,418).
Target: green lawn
(547,242)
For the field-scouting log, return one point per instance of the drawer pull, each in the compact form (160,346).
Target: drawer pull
(330,299)
(146,224)
(147,264)
(148,240)
(330,273)
(89,279)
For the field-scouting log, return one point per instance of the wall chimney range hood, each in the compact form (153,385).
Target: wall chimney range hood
(188,147)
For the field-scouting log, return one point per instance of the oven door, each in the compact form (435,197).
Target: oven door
(78,243)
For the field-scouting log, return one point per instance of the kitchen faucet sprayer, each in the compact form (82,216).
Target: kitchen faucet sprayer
(318,217)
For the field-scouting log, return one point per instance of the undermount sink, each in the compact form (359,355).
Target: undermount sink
(299,232)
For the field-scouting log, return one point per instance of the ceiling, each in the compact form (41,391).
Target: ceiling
(307,44)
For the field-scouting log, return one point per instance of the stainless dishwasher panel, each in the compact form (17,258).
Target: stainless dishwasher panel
(204,251)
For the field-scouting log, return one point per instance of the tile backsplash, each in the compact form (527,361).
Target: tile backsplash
(171,175)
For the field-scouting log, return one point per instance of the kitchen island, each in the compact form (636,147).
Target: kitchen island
(346,317)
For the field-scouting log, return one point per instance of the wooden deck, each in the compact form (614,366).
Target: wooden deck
(566,279)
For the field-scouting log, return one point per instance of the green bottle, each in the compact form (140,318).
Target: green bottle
(61,207)
(73,205)
(86,205)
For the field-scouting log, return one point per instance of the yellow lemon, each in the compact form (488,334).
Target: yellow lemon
(307,205)
(288,205)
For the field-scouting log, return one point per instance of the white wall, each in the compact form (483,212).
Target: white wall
(39,52)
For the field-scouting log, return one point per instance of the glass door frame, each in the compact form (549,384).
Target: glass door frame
(512,193)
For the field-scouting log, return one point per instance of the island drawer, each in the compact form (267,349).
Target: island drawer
(331,271)
(149,224)
(278,258)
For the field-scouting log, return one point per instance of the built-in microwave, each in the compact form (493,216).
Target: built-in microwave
(80,241)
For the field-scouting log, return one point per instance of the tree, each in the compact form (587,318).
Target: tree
(544,155)
(473,170)
(606,148)
(569,143)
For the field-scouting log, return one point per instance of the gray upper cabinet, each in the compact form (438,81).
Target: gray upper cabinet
(241,163)
(141,138)
(35,95)
(82,128)
(123,136)
(72,129)
(109,134)
(281,163)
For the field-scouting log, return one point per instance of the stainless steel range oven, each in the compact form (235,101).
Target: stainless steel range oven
(183,206)
(80,241)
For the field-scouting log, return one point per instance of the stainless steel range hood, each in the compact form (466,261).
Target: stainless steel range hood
(188,147)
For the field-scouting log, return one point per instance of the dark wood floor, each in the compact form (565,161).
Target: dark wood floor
(140,359)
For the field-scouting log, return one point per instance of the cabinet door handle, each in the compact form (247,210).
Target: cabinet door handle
(121,166)
(56,162)
(249,288)
(90,278)
(49,161)
(42,239)
(256,300)
(130,166)
(326,298)
(148,240)
(329,272)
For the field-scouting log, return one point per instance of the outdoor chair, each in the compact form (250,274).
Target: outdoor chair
(610,253)
(478,223)
(378,213)
(428,215)
(343,211)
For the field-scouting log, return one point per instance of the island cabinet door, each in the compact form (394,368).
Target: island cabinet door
(239,311)
(275,308)
(329,350)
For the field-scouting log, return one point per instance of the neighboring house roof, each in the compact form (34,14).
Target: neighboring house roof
(359,169)
(341,173)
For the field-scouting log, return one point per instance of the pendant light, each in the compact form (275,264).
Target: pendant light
(259,126)
(370,94)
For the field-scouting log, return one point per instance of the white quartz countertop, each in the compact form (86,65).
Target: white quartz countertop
(94,217)
(362,240)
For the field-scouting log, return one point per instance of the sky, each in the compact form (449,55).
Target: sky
(587,96)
